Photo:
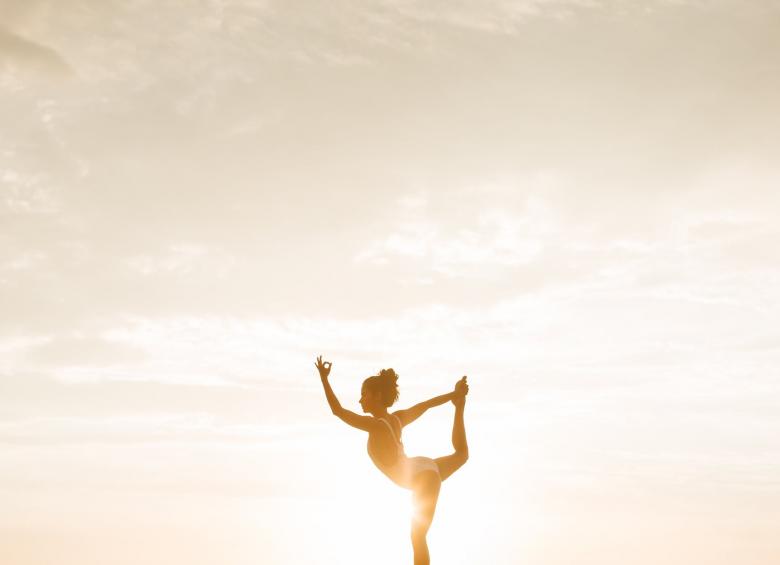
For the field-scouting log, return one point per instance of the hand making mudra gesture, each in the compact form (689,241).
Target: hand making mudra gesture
(422,475)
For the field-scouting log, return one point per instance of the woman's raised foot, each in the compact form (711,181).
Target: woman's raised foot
(460,392)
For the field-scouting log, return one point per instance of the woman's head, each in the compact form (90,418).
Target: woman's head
(379,391)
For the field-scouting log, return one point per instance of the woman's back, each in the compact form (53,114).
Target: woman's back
(384,445)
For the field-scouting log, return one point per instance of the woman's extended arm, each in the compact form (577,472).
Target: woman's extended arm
(411,414)
(333,402)
(355,420)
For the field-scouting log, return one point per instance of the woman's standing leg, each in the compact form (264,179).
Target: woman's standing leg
(425,489)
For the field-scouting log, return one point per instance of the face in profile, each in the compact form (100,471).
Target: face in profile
(367,400)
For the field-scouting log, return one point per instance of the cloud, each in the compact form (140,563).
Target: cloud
(462,234)
(18,54)
(83,351)
(502,17)
(183,260)
(166,427)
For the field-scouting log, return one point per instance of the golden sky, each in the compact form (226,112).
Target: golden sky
(574,202)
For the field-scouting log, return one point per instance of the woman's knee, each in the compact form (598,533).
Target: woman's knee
(423,514)
(422,518)
(460,457)
(419,532)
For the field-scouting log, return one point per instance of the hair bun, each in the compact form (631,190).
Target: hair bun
(388,374)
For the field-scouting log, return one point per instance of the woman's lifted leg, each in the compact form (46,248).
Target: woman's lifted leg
(451,463)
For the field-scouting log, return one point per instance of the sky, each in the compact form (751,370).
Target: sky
(576,203)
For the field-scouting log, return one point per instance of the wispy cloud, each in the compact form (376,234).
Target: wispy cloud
(460,235)
(19,55)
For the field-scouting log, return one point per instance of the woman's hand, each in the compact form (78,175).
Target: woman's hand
(323,367)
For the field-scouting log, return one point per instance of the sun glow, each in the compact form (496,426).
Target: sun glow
(361,517)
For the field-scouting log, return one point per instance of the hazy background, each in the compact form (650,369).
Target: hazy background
(574,202)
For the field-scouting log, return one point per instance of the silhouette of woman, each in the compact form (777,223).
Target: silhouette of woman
(422,475)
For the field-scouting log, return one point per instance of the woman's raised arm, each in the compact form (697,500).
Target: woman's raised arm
(364,423)
(323,367)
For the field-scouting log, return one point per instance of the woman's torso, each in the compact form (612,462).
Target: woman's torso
(384,445)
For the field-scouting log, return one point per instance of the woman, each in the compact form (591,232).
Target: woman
(422,475)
